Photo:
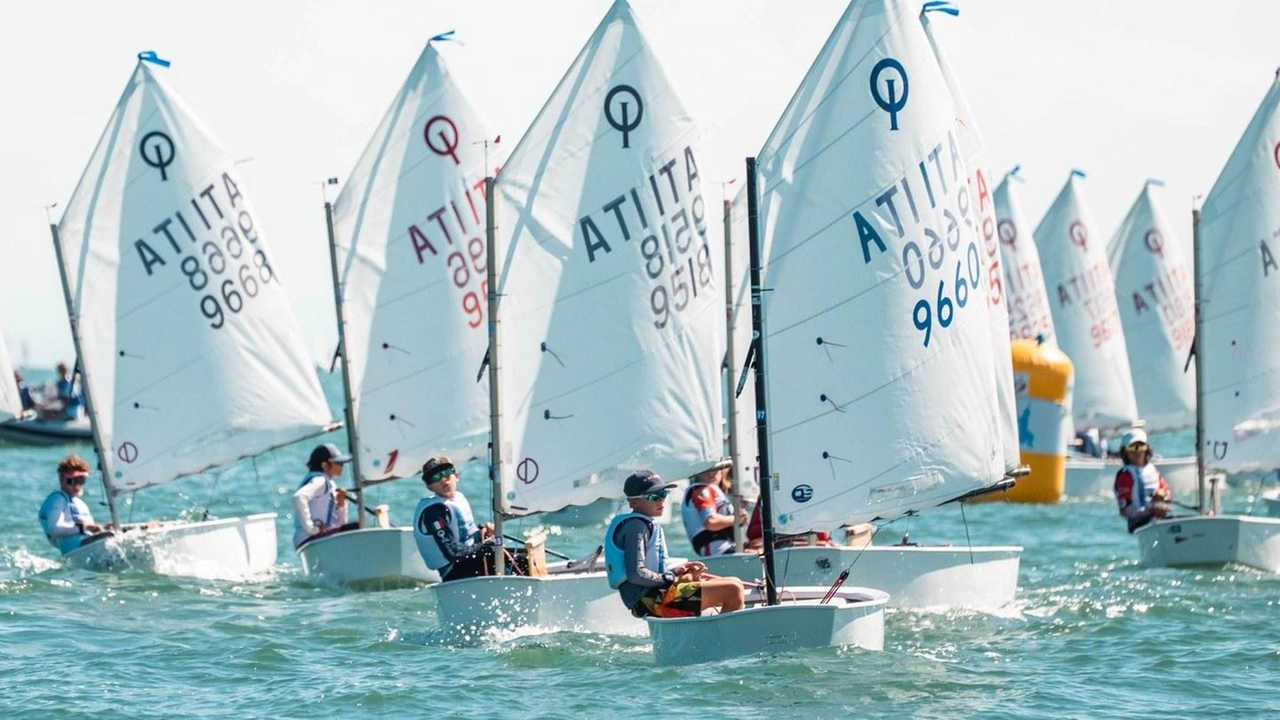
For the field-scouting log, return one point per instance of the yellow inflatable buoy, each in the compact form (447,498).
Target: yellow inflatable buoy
(1042,377)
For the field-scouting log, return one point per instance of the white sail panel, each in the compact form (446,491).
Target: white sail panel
(1240,301)
(611,320)
(410,232)
(743,423)
(1157,311)
(1082,299)
(880,395)
(10,403)
(1028,301)
(984,221)
(191,353)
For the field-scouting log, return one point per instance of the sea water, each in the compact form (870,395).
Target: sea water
(1090,635)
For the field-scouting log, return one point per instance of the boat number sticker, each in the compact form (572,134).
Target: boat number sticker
(802,493)
(617,110)
(527,471)
(127,452)
(442,137)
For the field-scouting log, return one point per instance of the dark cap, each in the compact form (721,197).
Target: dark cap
(643,482)
(435,465)
(327,451)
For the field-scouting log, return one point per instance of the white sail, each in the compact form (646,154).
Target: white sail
(10,403)
(191,353)
(1082,299)
(409,227)
(1240,301)
(1157,311)
(743,423)
(612,324)
(880,395)
(1028,301)
(984,221)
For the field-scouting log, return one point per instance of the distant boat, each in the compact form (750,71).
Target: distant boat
(191,355)
(875,344)
(46,431)
(1028,301)
(1237,296)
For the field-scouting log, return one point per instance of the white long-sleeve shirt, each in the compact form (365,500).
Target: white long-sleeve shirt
(315,502)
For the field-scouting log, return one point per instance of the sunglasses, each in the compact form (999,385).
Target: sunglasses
(656,496)
(441,474)
(74,480)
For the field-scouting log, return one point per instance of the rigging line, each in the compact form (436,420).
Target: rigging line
(967,539)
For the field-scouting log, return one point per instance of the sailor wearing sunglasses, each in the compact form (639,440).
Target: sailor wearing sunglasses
(64,516)
(636,560)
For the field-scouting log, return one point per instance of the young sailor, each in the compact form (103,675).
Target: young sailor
(64,516)
(446,531)
(1141,491)
(708,515)
(636,561)
(319,505)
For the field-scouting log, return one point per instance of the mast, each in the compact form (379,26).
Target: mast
(739,532)
(86,386)
(757,348)
(348,410)
(495,378)
(1198,344)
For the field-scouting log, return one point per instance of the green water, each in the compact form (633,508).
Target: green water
(1090,635)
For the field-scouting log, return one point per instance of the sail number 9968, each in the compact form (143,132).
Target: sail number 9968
(236,271)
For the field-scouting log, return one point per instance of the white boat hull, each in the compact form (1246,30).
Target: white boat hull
(1211,540)
(226,549)
(581,602)
(979,578)
(367,558)
(855,617)
(46,432)
(1093,477)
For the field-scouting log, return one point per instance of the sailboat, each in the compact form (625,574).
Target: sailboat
(1028,301)
(1237,293)
(1086,319)
(190,352)
(875,352)
(913,575)
(1155,296)
(605,325)
(408,249)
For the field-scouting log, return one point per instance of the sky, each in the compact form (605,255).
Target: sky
(1122,90)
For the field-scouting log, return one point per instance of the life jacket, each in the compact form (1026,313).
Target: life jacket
(321,507)
(692,517)
(1146,481)
(615,555)
(464,528)
(79,515)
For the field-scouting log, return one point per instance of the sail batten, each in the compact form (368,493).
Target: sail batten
(190,348)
